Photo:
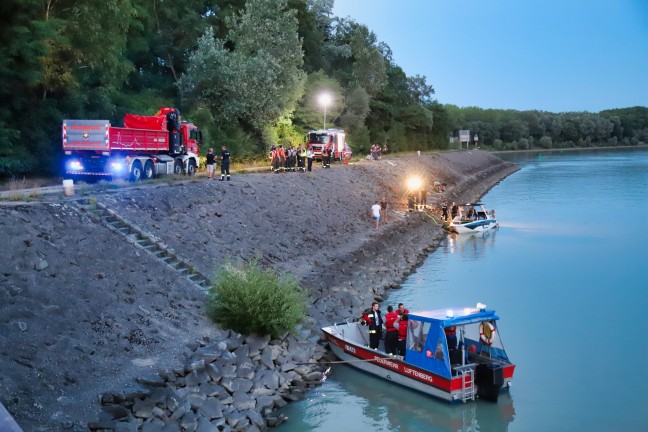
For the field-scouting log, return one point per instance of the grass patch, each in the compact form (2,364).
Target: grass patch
(252,300)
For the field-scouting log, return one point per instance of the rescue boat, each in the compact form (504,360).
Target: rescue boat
(476,367)
(472,218)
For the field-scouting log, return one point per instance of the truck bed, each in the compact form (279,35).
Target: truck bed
(99,136)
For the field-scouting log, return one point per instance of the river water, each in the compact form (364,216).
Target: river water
(567,272)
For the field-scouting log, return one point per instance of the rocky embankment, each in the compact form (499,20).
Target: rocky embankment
(98,333)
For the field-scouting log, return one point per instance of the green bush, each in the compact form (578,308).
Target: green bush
(253,300)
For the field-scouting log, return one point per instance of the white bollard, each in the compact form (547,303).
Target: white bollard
(68,187)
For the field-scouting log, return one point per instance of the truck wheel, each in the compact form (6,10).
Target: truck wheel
(191,170)
(178,168)
(148,170)
(136,172)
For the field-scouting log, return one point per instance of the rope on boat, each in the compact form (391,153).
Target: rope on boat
(348,361)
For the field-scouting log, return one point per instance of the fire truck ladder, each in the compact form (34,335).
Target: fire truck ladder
(141,239)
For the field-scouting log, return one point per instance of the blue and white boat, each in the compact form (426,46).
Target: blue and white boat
(472,218)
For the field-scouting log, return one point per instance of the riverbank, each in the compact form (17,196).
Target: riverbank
(86,313)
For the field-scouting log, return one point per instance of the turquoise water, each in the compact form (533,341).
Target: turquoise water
(567,272)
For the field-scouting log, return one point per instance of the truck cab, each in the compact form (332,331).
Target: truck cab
(331,139)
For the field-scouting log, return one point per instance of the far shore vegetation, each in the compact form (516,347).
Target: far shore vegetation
(250,74)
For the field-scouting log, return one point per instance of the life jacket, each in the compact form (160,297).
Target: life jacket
(390,318)
(402,329)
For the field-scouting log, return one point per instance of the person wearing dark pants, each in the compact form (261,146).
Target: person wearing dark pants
(225,163)
(391,337)
(375,323)
(309,156)
(402,333)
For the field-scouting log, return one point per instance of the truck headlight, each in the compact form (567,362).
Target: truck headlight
(116,166)
(75,165)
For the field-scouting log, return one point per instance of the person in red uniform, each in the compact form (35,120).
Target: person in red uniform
(401,309)
(391,338)
(402,321)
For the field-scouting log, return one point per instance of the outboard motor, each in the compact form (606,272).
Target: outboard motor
(489,379)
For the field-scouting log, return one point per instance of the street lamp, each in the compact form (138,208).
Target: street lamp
(324,100)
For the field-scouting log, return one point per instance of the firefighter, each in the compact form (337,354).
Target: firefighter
(282,157)
(274,157)
(292,155)
(373,318)
(402,322)
(301,159)
(225,163)
(391,336)
(326,157)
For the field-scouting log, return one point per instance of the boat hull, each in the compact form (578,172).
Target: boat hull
(473,227)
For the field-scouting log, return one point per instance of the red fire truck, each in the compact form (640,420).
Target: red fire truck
(333,139)
(146,147)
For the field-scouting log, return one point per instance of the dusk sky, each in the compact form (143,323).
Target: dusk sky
(549,55)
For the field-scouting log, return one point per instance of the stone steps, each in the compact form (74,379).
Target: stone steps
(141,239)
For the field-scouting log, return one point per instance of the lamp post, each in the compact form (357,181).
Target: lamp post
(324,100)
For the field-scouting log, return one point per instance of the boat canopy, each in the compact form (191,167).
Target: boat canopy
(427,345)
(455,316)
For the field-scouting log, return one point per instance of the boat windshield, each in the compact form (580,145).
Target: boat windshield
(318,138)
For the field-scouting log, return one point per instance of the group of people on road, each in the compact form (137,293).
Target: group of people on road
(225,163)
(393,326)
(285,159)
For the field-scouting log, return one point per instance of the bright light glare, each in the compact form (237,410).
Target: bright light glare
(76,165)
(117,166)
(324,99)
(413,183)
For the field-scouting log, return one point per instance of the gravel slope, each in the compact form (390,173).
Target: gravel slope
(83,312)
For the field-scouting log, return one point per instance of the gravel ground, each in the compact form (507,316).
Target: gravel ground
(83,312)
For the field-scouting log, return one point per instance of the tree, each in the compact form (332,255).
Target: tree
(259,80)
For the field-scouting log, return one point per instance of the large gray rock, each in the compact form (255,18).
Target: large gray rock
(269,379)
(264,401)
(245,372)
(205,425)
(243,401)
(212,408)
(237,419)
(243,384)
(214,372)
(211,390)
(228,371)
(256,344)
(189,422)
(255,418)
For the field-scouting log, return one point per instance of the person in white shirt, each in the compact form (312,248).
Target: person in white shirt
(375,211)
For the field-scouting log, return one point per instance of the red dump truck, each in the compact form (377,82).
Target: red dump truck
(146,147)
(334,139)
